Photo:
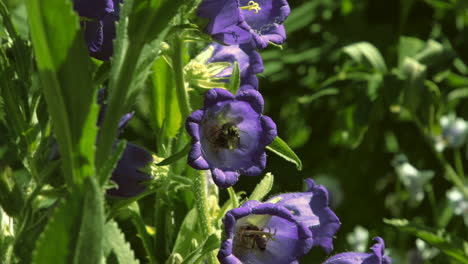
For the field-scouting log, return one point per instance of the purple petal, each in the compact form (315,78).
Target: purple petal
(253,97)
(126,174)
(377,257)
(269,130)
(195,158)
(95,9)
(312,209)
(216,95)
(292,239)
(224,179)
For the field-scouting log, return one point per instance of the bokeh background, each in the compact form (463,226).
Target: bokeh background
(347,100)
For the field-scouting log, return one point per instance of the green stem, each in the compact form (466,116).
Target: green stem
(178,67)
(449,171)
(459,164)
(233,196)
(119,90)
(201,202)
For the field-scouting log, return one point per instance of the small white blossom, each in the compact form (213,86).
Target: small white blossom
(412,178)
(358,239)
(454,133)
(459,203)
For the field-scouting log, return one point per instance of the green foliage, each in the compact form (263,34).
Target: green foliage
(280,148)
(74,233)
(263,188)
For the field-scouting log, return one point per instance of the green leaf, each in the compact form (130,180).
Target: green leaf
(415,73)
(177,156)
(114,242)
(263,188)
(362,52)
(307,99)
(211,243)
(280,148)
(449,245)
(110,164)
(74,232)
(142,26)
(183,243)
(65,74)
(164,107)
(234,81)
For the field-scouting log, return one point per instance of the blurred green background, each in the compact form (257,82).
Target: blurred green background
(348,110)
(357,83)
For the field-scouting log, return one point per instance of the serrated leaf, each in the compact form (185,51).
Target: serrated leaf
(446,243)
(362,52)
(234,81)
(281,148)
(263,188)
(75,230)
(114,242)
(65,73)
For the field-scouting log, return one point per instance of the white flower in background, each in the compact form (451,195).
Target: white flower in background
(427,252)
(412,178)
(6,224)
(454,132)
(358,239)
(458,203)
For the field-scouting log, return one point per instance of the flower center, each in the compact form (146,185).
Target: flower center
(226,136)
(251,236)
(252,6)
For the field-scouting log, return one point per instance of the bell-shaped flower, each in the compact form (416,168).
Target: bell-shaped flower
(236,22)
(376,257)
(127,174)
(229,135)
(259,233)
(97,18)
(312,209)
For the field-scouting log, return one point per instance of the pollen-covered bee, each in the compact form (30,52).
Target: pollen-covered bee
(252,236)
(225,136)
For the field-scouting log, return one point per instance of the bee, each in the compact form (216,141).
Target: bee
(227,136)
(252,236)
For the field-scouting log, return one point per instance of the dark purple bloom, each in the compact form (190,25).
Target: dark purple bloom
(127,175)
(376,257)
(312,209)
(229,135)
(249,60)
(241,21)
(260,233)
(97,18)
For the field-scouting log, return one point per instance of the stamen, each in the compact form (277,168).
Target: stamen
(252,6)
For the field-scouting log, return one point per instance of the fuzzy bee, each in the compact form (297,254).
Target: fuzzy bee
(225,136)
(252,236)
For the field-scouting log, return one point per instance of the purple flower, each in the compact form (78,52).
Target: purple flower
(241,21)
(263,233)
(127,175)
(229,135)
(312,209)
(98,19)
(249,60)
(376,257)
